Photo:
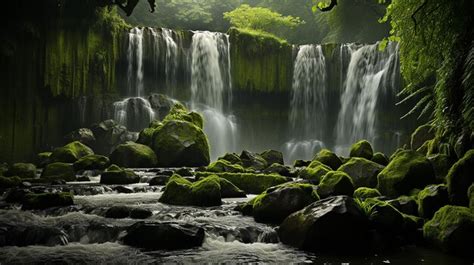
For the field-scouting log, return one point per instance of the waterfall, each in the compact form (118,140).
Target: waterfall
(211,89)
(370,73)
(135,62)
(136,113)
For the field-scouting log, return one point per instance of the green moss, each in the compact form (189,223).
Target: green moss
(22,170)
(224,166)
(335,183)
(314,174)
(430,199)
(364,193)
(383,216)
(47,200)
(460,177)
(131,154)
(362,171)
(71,152)
(205,192)
(59,171)
(470,194)
(362,149)
(42,159)
(248,182)
(179,113)
(328,158)
(232,158)
(92,162)
(117,175)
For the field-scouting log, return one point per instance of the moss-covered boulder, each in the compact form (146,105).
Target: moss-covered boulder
(133,155)
(362,171)
(406,171)
(365,193)
(460,177)
(44,158)
(253,161)
(59,171)
(71,152)
(406,204)
(362,149)
(431,198)
(328,158)
(92,162)
(47,200)
(451,229)
(384,217)
(335,225)
(421,135)
(180,143)
(232,158)
(117,175)
(314,174)
(276,203)
(335,183)
(179,191)
(279,169)
(251,183)
(441,165)
(9,182)
(470,194)
(179,113)
(222,165)
(272,156)
(22,170)
(380,158)
(83,135)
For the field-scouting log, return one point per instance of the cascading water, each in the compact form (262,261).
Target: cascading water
(135,62)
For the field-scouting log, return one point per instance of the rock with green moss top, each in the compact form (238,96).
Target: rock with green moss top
(431,199)
(470,194)
(279,169)
(146,136)
(229,190)
(224,166)
(276,203)
(301,163)
(384,217)
(380,158)
(253,161)
(179,191)
(92,162)
(3,168)
(421,135)
(83,135)
(272,156)
(314,174)
(9,182)
(362,149)
(117,175)
(335,183)
(460,177)
(365,193)
(44,158)
(71,152)
(451,229)
(406,204)
(394,154)
(232,158)
(328,158)
(362,171)
(336,225)
(133,155)
(162,104)
(441,165)
(181,143)
(251,183)
(22,170)
(47,200)
(406,171)
(59,171)
(179,113)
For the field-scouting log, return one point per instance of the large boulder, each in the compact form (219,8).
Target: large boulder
(180,143)
(83,135)
(131,154)
(92,162)
(421,135)
(276,203)
(362,149)
(222,165)
(179,113)
(328,158)
(251,183)
(380,158)
(460,177)
(47,200)
(161,104)
(451,229)
(22,170)
(71,152)
(164,235)
(180,191)
(272,156)
(335,183)
(279,169)
(59,171)
(406,171)
(384,217)
(441,165)
(336,225)
(110,134)
(253,161)
(314,172)
(362,171)
(365,193)
(431,198)
(117,175)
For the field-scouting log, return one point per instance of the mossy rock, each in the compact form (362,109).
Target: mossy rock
(406,171)
(421,135)
(441,165)
(335,183)
(229,190)
(362,149)
(47,200)
(431,199)
(253,161)
(276,203)
(362,171)
(44,158)
(301,163)
(3,169)
(9,182)
(383,216)
(451,229)
(205,192)
(470,194)
(22,170)
(279,169)
(251,183)
(380,158)
(232,158)
(314,175)
(328,158)
(179,143)
(71,152)
(133,155)
(179,113)
(406,204)
(460,177)
(224,166)
(272,156)
(117,175)
(146,136)
(365,193)
(59,171)
(92,162)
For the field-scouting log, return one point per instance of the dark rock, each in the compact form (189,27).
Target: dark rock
(362,171)
(44,158)
(431,199)
(460,177)
(272,157)
(232,158)
(92,162)
(59,171)
(71,152)
(83,135)
(47,200)
(9,182)
(22,236)
(328,158)
(222,165)
(301,163)
(83,179)
(109,134)
(441,165)
(122,189)
(380,158)
(184,171)
(159,180)
(133,155)
(161,104)
(139,213)
(116,175)
(118,212)
(278,169)
(253,160)
(362,149)
(335,183)
(405,204)
(22,170)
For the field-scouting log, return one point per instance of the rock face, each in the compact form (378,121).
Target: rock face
(362,171)
(59,171)
(421,135)
(47,200)
(180,143)
(133,155)
(329,159)
(22,170)
(460,177)
(71,152)
(276,203)
(451,229)
(431,199)
(335,225)
(170,236)
(406,171)
(335,183)
(116,175)
(362,149)
(92,162)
